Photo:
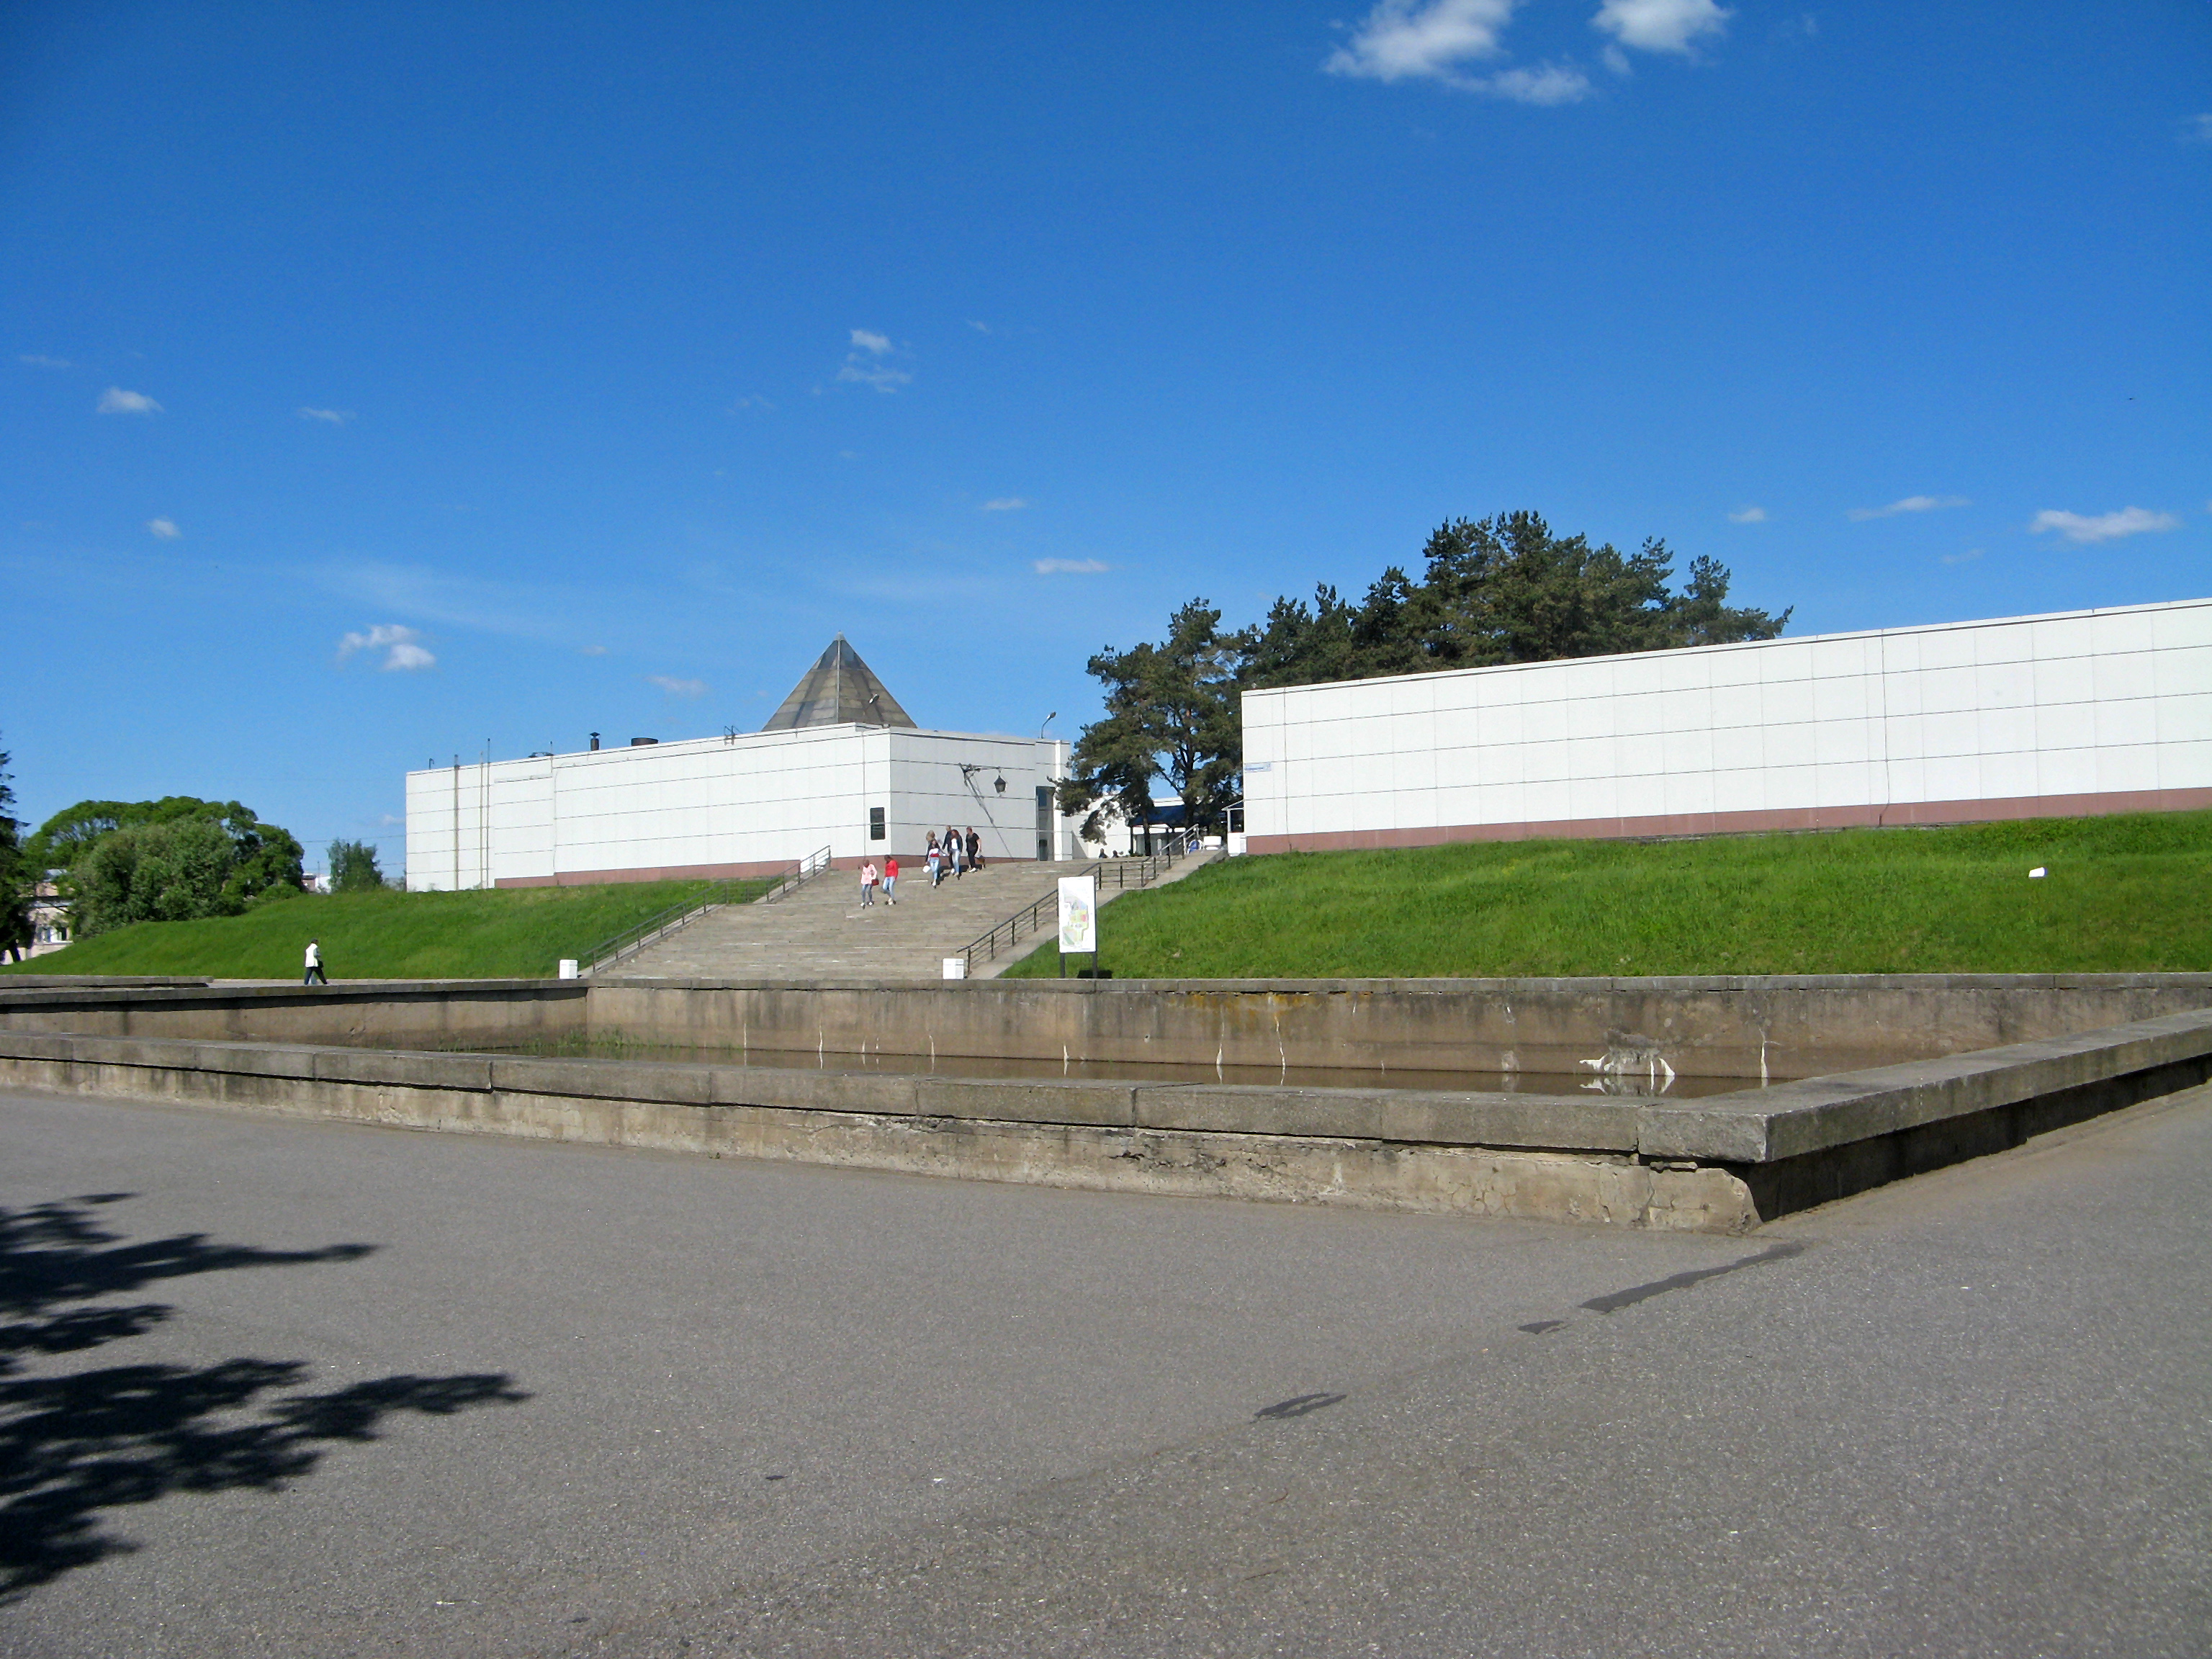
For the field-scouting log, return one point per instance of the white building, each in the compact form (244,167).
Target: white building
(840,766)
(2086,712)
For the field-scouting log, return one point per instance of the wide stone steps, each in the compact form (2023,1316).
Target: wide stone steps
(823,931)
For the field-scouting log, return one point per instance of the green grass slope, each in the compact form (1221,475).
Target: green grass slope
(2124,894)
(500,933)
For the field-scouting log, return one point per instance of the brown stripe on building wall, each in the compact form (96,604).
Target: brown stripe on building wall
(1724,824)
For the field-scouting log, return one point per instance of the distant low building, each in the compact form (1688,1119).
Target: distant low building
(49,919)
(841,766)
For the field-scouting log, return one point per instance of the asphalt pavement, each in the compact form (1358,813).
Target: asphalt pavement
(280,1387)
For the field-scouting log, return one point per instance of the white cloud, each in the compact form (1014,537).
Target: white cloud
(980,328)
(592,650)
(2196,130)
(116,401)
(1967,558)
(39,360)
(1069,566)
(878,375)
(1660,25)
(865,365)
(676,688)
(2105,526)
(1748,515)
(334,416)
(1402,39)
(390,821)
(1005,504)
(1910,504)
(1434,39)
(163,528)
(1550,84)
(402,652)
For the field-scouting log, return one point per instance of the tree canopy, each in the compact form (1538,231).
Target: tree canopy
(15,877)
(1498,590)
(172,860)
(353,867)
(1171,713)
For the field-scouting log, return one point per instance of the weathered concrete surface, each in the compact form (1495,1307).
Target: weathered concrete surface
(1754,1028)
(1750,1028)
(386,1013)
(1074,1134)
(1722,1163)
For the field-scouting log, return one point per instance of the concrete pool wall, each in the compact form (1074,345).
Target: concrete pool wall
(2065,1048)
(1750,1028)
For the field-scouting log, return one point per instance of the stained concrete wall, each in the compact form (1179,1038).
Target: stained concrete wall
(1721,1163)
(1749,1028)
(1752,1028)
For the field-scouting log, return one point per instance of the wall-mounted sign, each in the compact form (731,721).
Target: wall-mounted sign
(1079,915)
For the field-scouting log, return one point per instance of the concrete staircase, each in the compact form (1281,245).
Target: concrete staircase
(821,931)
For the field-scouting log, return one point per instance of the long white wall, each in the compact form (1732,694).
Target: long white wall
(713,806)
(2091,711)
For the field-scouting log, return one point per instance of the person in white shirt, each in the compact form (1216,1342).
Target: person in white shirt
(314,973)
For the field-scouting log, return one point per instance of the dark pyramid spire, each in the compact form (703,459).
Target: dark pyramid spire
(840,689)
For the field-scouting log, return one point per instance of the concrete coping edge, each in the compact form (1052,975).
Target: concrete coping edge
(1754,1126)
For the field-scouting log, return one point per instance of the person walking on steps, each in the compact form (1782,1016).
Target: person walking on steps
(314,973)
(890,879)
(936,861)
(974,849)
(868,883)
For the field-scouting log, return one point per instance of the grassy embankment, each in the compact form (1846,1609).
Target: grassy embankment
(2130,893)
(512,933)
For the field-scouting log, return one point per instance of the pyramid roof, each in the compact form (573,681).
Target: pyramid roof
(840,689)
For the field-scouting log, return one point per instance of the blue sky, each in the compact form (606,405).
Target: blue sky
(381,382)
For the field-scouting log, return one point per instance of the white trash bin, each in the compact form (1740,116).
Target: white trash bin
(568,968)
(956,967)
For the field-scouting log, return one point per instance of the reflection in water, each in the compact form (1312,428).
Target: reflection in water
(1621,1079)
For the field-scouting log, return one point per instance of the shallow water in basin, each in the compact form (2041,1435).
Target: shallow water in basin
(1641,1082)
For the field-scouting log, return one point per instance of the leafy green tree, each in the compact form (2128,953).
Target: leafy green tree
(353,867)
(167,872)
(168,859)
(15,932)
(1171,715)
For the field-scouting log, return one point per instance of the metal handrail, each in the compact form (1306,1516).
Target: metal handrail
(1126,872)
(798,876)
(629,942)
(654,928)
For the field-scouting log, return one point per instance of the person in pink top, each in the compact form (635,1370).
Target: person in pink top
(868,883)
(890,879)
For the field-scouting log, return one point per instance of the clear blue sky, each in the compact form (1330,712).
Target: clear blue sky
(381,381)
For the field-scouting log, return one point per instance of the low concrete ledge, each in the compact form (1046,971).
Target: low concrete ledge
(1791,1119)
(1579,1123)
(1723,1162)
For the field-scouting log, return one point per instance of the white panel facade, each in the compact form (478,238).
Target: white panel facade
(715,807)
(2091,711)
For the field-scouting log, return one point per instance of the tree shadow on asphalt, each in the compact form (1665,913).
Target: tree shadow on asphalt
(75,1444)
